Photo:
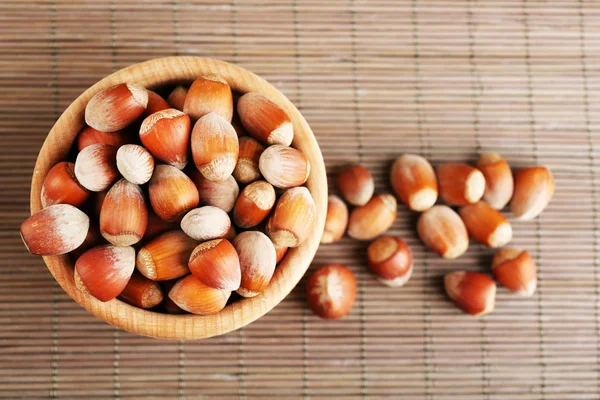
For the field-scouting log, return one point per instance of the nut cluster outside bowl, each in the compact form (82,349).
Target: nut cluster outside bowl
(154,74)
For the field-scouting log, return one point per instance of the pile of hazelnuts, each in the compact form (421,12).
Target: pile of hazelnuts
(148,226)
(478,192)
(127,209)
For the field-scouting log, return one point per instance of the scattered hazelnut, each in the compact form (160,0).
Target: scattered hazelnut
(391,260)
(473,292)
(331,291)
(356,185)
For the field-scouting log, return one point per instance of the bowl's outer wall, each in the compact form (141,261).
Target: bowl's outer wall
(168,71)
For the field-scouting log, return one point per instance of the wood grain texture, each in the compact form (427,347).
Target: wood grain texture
(168,71)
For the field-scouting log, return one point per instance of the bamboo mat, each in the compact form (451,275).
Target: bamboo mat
(446,79)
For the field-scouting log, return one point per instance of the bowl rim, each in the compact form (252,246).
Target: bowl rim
(155,73)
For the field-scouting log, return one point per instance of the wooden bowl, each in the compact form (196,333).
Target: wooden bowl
(153,74)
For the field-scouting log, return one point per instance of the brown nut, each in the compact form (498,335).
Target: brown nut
(254,204)
(534,188)
(124,216)
(247,170)
(215,147)
(284,167)
(331,291)
(486,225)
(336,220)
(216,264)
(460,184)
(142,292)
(499,183)
(391,260)
(217,194)
(172,194)
(257,261)
(55,230)
(62,187)
(191,295)
(356,185)
(264,120)
(177,97)
(96,167)
(515,270)
(104,271)
(443,231)
(292,220)
(116,107)
(208,94)
(166,256)
(166,134)
(155,103)
(372,219)
(89,136)
(414,182)
(473,292)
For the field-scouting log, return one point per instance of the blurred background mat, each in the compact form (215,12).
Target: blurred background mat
(445,79)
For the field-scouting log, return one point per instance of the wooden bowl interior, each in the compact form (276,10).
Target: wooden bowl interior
(154,74)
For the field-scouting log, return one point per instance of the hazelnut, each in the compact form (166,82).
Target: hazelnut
(264,120)
(473,292)
(391,260)
(499,184)
(356,185)
(116,107)
(460,184)
(331,291)
(414,182)
(373,219)
(443,231)
(534,188)
(336,220)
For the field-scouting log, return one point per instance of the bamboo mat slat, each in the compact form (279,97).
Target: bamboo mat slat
(374,78)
